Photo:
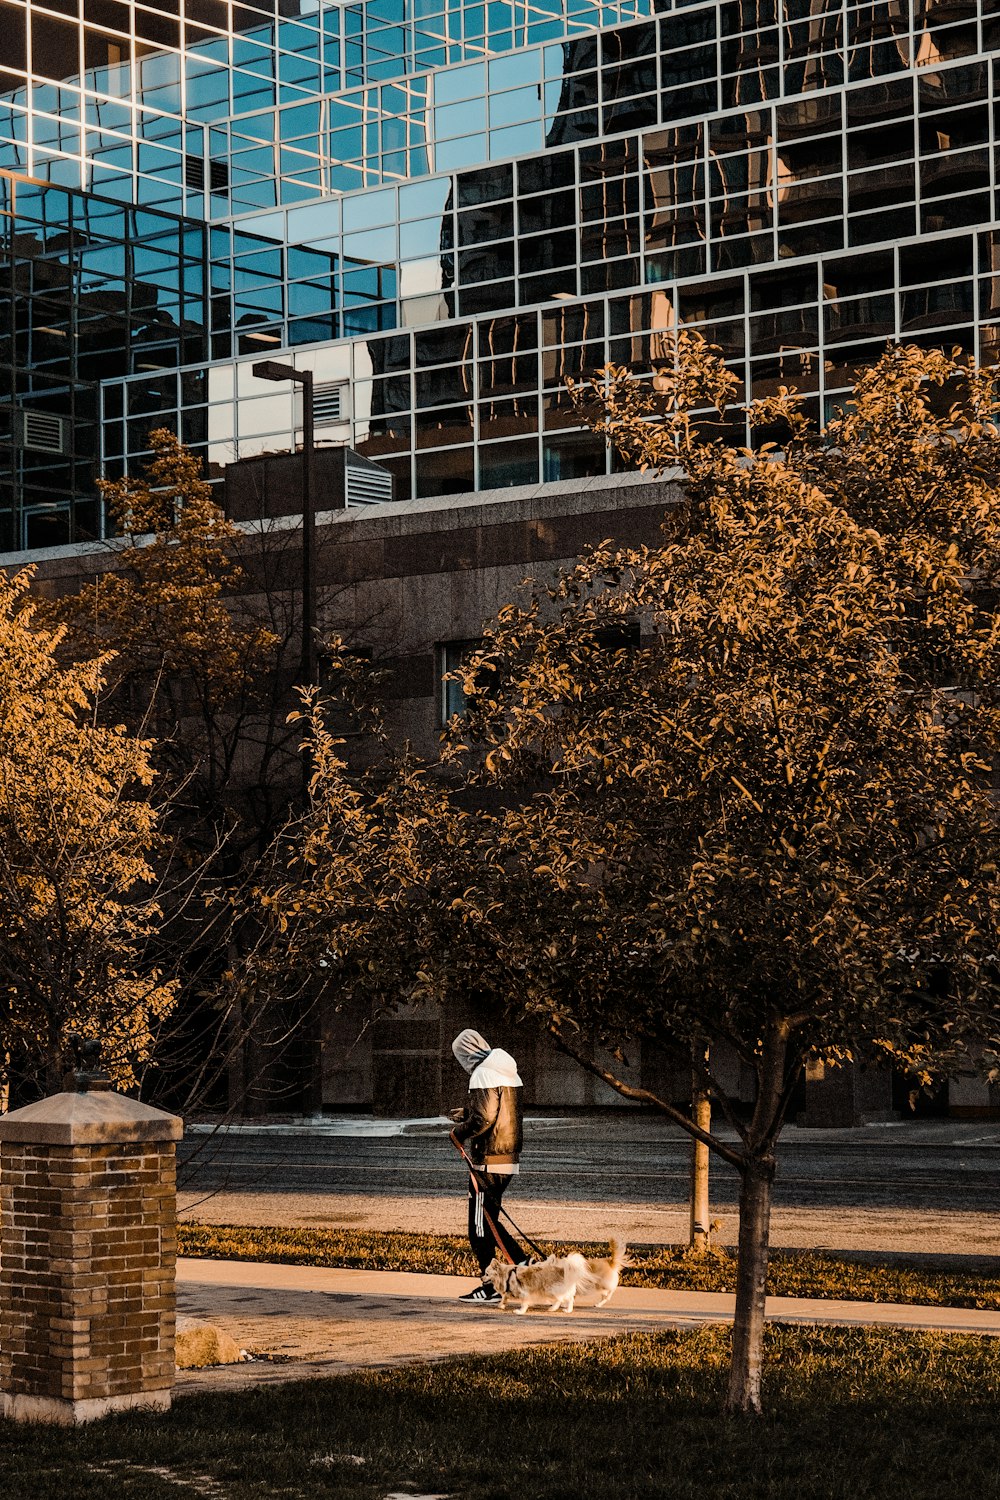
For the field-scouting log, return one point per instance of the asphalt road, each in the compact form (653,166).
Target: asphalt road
(917,1188)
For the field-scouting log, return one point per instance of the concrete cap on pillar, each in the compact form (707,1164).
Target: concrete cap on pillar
(89,1119)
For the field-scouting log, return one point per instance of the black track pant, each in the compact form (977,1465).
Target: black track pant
(487,1235)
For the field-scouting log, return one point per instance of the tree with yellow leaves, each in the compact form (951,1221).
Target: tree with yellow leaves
(773,821)
(196,642)
(187,659)
(738,789)
(77,836)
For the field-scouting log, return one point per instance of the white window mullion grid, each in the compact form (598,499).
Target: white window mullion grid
(917,173)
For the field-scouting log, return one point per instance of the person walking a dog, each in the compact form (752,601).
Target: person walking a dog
(488,1131)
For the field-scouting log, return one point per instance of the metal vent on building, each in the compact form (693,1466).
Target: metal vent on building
(216,179)
(367,486)
(328,404)
(43,431)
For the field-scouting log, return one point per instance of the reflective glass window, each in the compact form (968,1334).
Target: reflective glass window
(493,221)
(943,213)
(372,244)
(508,417)
(446,473)
(516,139)
(788,287)
(817,114)
(514,107)
(425,238)
(440,346)
(895,223)
(503,465)
(945,260)
(880,186)
(877,40)
(460,83)
(492,296)
(884,142)
(688,82)
(542,252)
(370,209)
(544,174)
(620,236)
(419,200)
(556,210)
(484,187)
(464,151)
(486,264)
(514,72)
(813,43)
(605,276)
(460,119)
(572,322)
(889,100)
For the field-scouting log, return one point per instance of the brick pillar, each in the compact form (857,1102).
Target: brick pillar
(87,1257)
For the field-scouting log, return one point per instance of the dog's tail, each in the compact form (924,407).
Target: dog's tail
(616,1253)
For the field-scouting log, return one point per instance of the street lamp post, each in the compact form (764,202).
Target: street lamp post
(271,369)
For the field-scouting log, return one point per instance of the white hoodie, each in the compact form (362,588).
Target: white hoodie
(497,1070)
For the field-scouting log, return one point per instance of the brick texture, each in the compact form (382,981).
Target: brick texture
(87,1259)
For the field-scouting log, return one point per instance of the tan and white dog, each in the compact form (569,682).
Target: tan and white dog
(556,1282)
(600,1275)
(547,1283)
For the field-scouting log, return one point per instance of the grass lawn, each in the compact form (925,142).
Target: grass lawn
(792,1273)
(853,1414)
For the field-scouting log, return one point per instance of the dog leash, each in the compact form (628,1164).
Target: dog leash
(474,1174)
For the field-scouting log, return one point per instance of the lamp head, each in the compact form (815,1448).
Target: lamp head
(271,369)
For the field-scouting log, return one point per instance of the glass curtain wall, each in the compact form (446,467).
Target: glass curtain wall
(445,209)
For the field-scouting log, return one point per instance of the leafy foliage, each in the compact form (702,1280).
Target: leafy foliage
(77,836)
(353,886)
(185,663)
(199,631)
(736,790)
(772,824)
(777,810)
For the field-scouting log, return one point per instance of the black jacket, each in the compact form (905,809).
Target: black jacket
(491,1127)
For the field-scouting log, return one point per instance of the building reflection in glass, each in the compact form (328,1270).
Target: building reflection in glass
(798,178)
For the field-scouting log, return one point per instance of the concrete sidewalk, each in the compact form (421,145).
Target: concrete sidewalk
(320,1322)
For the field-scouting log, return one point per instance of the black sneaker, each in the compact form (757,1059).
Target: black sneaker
(484,1296)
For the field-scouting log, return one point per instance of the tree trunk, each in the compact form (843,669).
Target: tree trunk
(751,1280)
(57,1060)
(701,1113)
(236,1072)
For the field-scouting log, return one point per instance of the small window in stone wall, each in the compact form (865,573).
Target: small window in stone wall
(452,656)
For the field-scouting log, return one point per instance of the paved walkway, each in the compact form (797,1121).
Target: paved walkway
(321,1322)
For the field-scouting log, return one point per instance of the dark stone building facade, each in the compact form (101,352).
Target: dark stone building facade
(413,583)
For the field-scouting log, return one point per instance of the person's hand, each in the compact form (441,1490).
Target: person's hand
(456,1115)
